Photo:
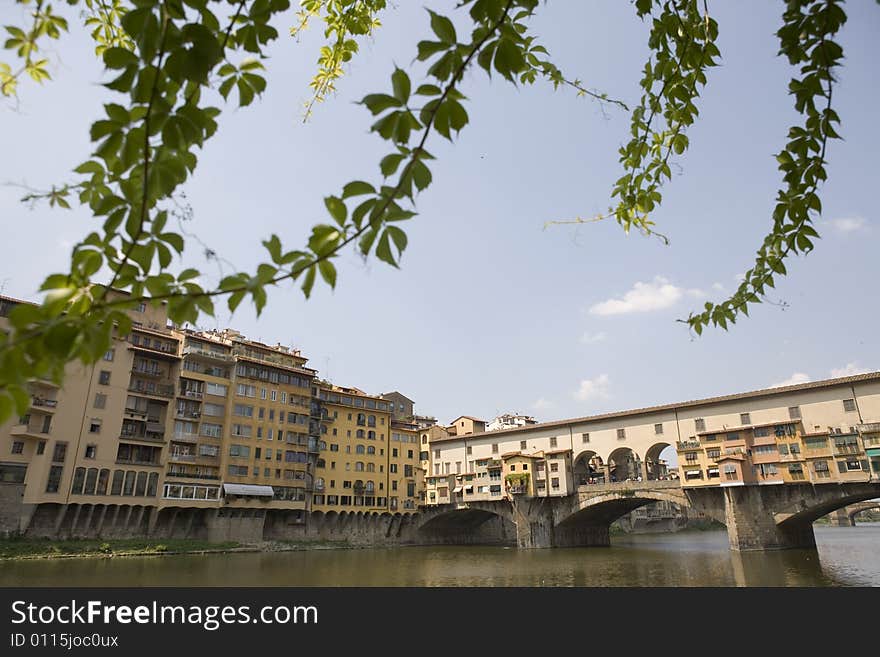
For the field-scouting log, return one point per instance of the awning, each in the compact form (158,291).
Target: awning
(713,471)
(248,489)
(873,452)
(457,489)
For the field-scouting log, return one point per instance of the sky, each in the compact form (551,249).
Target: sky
(491,312)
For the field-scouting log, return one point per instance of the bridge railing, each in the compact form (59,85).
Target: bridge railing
(630,485)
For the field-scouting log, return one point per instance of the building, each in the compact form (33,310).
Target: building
(510,421)
(178,419)
(465,424)
(821,432)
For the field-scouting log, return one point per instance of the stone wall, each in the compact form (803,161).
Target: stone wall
(11,508)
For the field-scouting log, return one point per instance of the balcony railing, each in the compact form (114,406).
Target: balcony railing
(155,464)
(186,437)
(44,403)
(186,458)
(148,437)
(841,450)
(688,444)
(149,371)
(159,390)
(192,394)
(188,475)
(190,350)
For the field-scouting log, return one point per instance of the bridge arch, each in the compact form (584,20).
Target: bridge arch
(588,466)
(469,524)
(655,467)
(861,507)
(624,464)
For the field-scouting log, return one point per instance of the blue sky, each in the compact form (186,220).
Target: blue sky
(490,312)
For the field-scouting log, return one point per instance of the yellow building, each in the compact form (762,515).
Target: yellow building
(193,420)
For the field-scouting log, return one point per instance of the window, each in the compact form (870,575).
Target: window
(554,482)
(525,466)
(554,467)
(104,378)
(54,480)
(713,454)
(394,452)
(262,393)
(470,450)
(59,453)
(553,441)
(109,354)
(41,447)
(794,412)
(142,307)
(522,444)
(730,472)
(621,434)
(100,400)
(95,426)
(585,437)
(745,418)
(513,467)
(217,389)
(91,451)
(700,424)
(494,449)
(849,405)
(17,447)
(214,410)
(761,432)
(243,410)
(691,457)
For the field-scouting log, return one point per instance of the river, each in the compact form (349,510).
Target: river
(845,556)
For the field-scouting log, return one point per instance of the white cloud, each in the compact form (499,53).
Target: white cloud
(850,369)
(794,379)
(592,338)
(543,404)
(848,224)
(718,287)
(644,297)
(593,388)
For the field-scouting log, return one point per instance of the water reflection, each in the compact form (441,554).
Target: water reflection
(845,557)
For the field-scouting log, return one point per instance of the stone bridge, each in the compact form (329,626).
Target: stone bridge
(846,517)
(757,517)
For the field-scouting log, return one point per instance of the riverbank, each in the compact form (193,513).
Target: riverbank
(30,548)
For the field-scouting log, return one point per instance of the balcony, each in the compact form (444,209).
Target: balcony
(28,430)
(136,413)
(161,352)
(152,372)
(517,490)
(187,414)
(185,438)
(191,394)
(153,437)
(688,444)
(186,475)
(182,458)
(846,450)
(151,464)
(43,404)
(191,350)
(159,390)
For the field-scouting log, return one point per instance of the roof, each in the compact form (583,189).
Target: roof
(397,394)
(467,417)
(764,392)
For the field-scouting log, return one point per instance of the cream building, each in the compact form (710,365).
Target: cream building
(824,431)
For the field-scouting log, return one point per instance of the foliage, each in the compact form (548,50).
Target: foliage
(173,63)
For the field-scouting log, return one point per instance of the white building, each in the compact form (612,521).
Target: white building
(510,421)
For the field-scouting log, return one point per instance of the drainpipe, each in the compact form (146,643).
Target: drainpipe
(856,402)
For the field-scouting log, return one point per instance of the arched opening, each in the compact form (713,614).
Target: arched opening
(624,465)
(588,469)
(657,461)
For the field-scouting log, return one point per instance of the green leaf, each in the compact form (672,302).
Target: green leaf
(328,272)
(401,85)
(357,188)
(443,28)
(337,209)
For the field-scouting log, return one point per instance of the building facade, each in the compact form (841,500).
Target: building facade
(821,432)
(207,420)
